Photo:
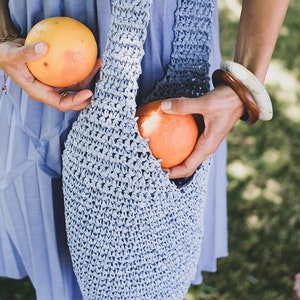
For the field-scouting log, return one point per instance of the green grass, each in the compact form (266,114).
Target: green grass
(16,289)
(264,181)
(263,191)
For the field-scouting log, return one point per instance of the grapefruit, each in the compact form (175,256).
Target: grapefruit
(172,137)
(71,55)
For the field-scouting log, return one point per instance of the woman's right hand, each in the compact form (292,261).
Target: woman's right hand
(13,58)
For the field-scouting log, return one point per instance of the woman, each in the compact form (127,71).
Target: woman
(32,233)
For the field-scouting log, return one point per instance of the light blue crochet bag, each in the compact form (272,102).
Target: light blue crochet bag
(132,233)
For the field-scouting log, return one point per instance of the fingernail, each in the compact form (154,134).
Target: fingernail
(166,105)
(39,48)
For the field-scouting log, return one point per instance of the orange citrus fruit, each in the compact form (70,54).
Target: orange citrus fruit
(71,55)
(172,137)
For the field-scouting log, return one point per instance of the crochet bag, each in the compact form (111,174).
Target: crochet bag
(132,233)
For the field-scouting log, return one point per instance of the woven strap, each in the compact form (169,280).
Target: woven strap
(132,233)
(187,73)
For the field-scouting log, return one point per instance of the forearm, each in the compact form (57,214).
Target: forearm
(259,27)
(6,26)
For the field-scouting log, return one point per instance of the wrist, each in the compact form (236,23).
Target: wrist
(248,87)
(222,77)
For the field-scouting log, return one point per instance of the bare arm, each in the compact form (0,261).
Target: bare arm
(259,28)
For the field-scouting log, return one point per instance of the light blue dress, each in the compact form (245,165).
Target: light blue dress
(32,230)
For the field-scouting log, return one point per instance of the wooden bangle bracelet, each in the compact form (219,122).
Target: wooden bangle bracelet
(254,86)
(252,110)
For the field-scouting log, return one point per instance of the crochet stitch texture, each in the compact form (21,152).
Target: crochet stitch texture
(132,233)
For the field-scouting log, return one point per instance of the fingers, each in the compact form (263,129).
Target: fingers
(32,51)
(98,65)
(205,146)
(221,109)
(79,101)
(182,106)
(69,101)
(15,56)
(59,100)
(213,135)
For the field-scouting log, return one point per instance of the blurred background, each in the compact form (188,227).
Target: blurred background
(264,180)
(264,185)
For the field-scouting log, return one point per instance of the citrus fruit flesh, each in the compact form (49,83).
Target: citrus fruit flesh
(72,51)
(172,137)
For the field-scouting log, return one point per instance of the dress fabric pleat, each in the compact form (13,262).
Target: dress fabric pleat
(32,226)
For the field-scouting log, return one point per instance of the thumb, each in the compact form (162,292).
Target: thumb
(181,106)
(34,51)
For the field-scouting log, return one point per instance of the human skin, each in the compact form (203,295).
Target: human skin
(13,58)
(259,27)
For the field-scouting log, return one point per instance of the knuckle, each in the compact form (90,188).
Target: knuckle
(26,50)
(189,173)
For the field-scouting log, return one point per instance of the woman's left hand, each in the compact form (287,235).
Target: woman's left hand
(221,109)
